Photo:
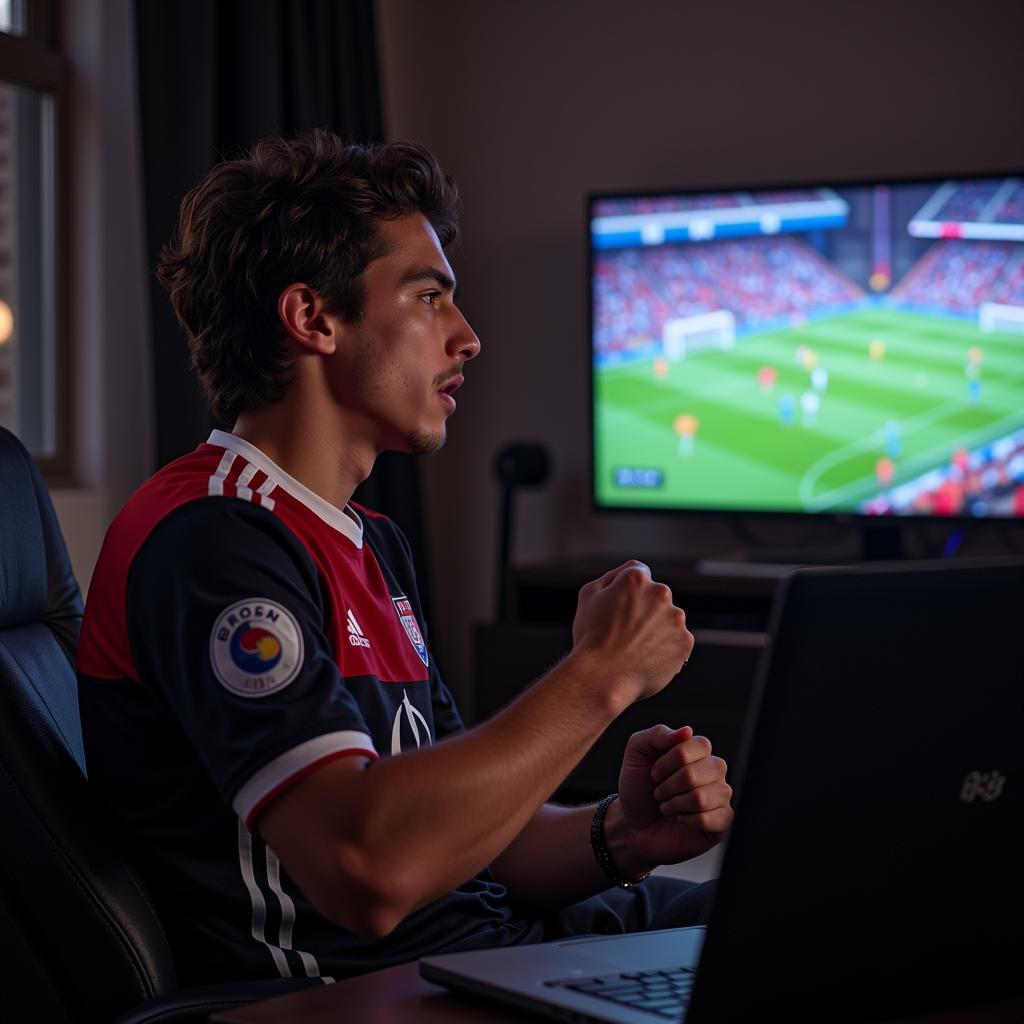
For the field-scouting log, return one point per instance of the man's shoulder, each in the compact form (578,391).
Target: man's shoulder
(184,482)
(177,523)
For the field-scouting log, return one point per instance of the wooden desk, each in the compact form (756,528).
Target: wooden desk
(399,995)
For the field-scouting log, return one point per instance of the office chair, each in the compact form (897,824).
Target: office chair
(80,941)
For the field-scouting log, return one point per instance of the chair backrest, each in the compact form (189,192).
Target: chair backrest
(80,939)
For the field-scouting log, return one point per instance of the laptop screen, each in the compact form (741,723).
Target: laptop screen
(875,860)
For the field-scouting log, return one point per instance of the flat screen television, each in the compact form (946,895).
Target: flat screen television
(839,349)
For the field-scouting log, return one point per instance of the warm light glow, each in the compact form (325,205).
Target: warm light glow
(6,322)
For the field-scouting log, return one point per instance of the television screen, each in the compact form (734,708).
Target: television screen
(828,349)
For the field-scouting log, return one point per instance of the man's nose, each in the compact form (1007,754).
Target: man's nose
(463,342)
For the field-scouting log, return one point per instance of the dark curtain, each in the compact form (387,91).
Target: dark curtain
(215,76)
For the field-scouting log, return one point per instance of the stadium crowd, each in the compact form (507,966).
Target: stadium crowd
(758,279)
(960,275)
(969,201)
(1012,209)
(986,482)
(1009,289)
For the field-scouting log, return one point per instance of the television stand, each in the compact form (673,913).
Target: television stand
(877,541)
(771,562)
(745,567)
(547,592)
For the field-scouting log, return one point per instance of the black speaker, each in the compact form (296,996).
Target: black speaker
(522,465)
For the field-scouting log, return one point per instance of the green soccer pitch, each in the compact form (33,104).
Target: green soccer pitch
(744,455)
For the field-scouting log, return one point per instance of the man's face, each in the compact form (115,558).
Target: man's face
(403,357)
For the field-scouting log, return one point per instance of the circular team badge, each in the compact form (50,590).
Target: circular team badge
(256,648)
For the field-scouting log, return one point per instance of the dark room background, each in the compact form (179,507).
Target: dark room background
(532,104)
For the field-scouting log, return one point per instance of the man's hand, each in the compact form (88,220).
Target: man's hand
(639,637)
(674,799)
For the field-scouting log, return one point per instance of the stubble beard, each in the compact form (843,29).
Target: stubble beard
(425,442)
(368,376)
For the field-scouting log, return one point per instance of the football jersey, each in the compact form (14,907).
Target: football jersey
(240,632)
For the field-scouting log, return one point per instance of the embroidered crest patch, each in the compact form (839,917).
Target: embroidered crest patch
(403,606)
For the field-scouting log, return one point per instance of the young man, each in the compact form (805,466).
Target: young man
(259,704)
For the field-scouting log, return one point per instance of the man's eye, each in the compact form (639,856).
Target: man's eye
(431,297)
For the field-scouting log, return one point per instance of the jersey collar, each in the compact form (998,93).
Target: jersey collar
(344,520)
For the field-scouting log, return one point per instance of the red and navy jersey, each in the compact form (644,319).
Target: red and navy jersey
(240,631)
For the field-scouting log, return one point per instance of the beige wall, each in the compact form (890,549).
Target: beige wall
(532,104)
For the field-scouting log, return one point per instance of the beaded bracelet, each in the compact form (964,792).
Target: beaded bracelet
(601,854)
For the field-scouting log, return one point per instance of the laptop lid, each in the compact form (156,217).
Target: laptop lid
(875,863)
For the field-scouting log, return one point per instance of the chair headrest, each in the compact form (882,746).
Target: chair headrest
(33,588)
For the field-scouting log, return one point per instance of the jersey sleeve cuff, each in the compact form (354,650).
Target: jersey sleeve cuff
(288,768)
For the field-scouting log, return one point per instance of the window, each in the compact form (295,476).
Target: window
(12,17)
(34,363)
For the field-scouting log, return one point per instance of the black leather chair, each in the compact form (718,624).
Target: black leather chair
(79,938)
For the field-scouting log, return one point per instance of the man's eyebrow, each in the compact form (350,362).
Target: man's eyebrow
(430,274)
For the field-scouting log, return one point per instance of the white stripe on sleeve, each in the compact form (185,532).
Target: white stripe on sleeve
(287,915)
(259,906)
(278,773)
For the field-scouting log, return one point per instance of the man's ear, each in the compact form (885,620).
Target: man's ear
(303,315)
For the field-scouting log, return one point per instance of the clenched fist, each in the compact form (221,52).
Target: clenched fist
(630,622)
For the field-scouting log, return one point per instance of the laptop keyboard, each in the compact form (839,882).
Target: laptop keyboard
(663,993)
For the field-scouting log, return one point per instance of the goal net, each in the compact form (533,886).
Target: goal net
(684,335)
(994,316)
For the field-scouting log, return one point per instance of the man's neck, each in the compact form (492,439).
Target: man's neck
(317,451)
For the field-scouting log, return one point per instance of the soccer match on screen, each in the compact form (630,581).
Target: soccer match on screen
(831,349)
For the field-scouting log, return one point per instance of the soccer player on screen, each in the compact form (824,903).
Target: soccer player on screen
(686,426)
(260,706)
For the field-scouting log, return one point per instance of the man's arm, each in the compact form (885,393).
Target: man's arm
(369,843)
(551,863)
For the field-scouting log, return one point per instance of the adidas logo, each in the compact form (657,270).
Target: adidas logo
(355,634)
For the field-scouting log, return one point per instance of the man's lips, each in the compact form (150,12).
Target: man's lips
(448,389)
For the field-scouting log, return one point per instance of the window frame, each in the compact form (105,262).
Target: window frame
(34,60)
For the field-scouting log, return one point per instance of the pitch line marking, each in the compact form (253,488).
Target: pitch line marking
(922,460)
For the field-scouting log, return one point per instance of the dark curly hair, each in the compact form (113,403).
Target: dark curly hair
(300,209)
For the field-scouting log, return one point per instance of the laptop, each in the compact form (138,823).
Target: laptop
(875,866)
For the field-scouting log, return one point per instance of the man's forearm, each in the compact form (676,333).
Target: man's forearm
(551,863)
(433,817)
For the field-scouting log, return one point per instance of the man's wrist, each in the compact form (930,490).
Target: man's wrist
(617,836)
(590,670)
